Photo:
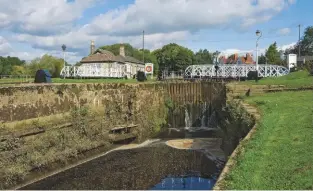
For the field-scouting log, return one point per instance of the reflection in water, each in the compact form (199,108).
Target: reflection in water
(138,168)
(185,183)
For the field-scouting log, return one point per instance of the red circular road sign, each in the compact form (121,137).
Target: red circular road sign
(148,68)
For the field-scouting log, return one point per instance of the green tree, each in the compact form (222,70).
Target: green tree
(203,57)
(306,44)
(272,54)
(18,70)
(174,57)
(53,64)
(7,63)
(262,59)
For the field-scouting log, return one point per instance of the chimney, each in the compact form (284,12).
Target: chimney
(122,50)
(92,47)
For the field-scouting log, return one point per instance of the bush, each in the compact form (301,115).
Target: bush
(251,75)
(141,76)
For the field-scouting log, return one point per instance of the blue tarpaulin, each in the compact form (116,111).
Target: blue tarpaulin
(43,76)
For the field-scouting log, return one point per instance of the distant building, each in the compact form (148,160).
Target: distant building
(235,59)
(105,64)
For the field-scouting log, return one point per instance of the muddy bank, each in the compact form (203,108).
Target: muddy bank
(138,168)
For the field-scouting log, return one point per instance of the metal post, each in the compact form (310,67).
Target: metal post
(143,47)
(299,43)
(258,33)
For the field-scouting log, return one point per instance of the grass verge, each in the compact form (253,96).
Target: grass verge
(280,154)
(294,79)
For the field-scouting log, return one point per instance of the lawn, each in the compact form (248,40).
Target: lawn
(294,79)
(280,154)
(60,80)
(8,81)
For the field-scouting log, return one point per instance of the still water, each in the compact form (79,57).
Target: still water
(185,183)
(156,166)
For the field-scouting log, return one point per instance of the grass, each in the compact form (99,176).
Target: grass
(13,81)
(294,79)
(280,154)
(60,80)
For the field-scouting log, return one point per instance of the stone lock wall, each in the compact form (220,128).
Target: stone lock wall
(45,126)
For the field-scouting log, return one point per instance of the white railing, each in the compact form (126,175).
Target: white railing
(234,71)
(91,71)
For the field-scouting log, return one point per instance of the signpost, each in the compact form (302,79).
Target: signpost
(149,69)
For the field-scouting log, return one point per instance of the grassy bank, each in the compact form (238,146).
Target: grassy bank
(280,154)
(294,79)
(60,80)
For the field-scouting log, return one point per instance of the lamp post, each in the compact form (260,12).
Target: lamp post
(64,48)
(258,34)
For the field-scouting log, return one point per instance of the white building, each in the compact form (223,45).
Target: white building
(103,63)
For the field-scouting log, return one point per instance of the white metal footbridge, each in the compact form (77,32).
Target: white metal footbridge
(193,71)
(234,71)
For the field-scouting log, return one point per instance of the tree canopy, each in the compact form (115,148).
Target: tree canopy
(272,54)
(174,57)
(203,57)
(7,64)
(306,44)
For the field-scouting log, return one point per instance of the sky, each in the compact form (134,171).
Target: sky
(32,28)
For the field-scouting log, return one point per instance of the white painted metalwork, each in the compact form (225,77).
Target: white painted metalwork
(234,71)
(88,71)
(101,70)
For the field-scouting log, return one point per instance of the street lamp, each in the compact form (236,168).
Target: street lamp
(258,34)
(64,48)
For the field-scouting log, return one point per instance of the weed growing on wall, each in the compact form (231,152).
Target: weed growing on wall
(235,124)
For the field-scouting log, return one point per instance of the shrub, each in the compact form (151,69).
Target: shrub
(141,76)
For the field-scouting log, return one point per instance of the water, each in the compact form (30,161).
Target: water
(188,122)
(185,183)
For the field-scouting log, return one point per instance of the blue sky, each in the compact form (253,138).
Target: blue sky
(32,28)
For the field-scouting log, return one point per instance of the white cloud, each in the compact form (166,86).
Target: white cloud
(80,40)
(41,16)
(284,31)
(36,22)
(177,15)
(70,57)
(5,46)
(286,46)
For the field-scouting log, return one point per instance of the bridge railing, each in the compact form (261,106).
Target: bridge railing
(234,71)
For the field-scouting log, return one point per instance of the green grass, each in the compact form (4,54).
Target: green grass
(60,80)
(294,79)
(15,80)
(8,81)
(280,154)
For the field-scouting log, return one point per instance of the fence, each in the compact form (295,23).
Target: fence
(16,79)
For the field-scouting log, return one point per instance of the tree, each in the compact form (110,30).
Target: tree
(174,57)
(203,57)
(7,63)
(306,44)
(53,64)
(262,59)
(272,54)
(18,70)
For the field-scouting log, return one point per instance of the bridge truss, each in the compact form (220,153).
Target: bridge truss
(234,71)
(193,71)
